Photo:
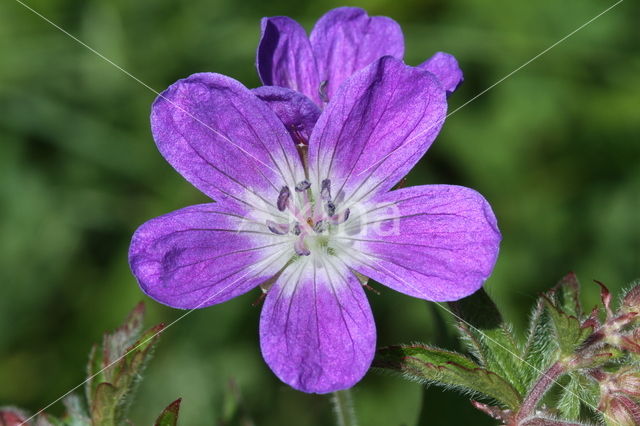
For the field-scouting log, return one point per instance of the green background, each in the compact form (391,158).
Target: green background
(554,148)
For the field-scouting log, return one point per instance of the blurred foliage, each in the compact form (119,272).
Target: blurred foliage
(554,148)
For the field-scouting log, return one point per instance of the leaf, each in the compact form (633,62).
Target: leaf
(104,404)
(127,373)
(539,348)
(169,416)
(449,369)
(567,329)
(566,295)
(114,345)
(569,402)
(116,368)
(498,351)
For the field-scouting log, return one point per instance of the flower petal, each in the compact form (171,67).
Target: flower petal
(297,112)
(285,57)
(203,255)
(383,119)
(316,329)
(224,140)
(435,242)
(346,40)
(446,68)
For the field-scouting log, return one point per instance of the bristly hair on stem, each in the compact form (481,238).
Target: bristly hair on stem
(343,408)
(589,360)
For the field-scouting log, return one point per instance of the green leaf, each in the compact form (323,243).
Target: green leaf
(169,416)
(104,405)
(539,349)
(449,369)
(498,351)
(127,373)
(569,402)
(566,295)
(116,368)
(566,328)
(114,345)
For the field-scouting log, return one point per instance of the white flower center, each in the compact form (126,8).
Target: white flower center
(314,219)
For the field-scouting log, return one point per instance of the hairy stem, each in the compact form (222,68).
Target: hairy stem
(538,390)
(343,408)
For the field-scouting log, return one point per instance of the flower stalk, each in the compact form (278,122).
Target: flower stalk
(343,409)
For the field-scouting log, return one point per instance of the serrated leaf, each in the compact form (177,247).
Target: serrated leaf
(539,348)
(566,295)
(449,369)
(169,416)
(104,404)
(567,329)
(94,374)
(569,402)
(498,351)
(116,344)
(128,371)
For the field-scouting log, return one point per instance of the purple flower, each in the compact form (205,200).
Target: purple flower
(342,42)
(299,221)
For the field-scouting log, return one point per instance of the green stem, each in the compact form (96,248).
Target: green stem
(343,408)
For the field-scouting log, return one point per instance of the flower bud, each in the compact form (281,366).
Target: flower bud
(631,341)
(621,410)
(631,301)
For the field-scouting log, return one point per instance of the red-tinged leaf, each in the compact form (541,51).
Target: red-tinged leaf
(631,300)
(431,365)
(605,295)
(103,409)
(566,295)
(169,416)
(115,344)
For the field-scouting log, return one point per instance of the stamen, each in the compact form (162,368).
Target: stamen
(340,217)
(297,136)
(303,186)
(277,228)
(325,190)
(322,91)
(301,248)
(330,208)
(283,198)
(296,229)
(320,226)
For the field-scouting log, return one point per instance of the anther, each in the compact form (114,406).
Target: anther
(301,248)
(320,226)
(322,91)
(283,198)
(303,186)
(325,189)
(296,229)
(277,228)
(340,217)
(330,208)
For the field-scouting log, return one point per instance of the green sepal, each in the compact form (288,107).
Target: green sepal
(169,416)
(449,369)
